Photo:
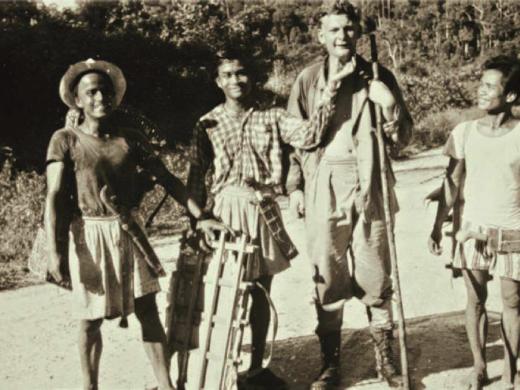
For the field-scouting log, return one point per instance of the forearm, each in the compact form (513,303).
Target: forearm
(443,211)
(51,223)
(175,187)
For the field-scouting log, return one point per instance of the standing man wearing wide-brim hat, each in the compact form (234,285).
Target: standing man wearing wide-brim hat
(93,186)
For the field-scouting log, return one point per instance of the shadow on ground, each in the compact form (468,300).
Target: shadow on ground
(435,344)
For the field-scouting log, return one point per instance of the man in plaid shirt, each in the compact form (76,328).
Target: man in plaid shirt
(243,144)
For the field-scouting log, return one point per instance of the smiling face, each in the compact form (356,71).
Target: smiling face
(491,96)
(95,95)
(339,35)
(233,80)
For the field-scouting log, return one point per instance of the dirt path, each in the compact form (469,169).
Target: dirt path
(38,334)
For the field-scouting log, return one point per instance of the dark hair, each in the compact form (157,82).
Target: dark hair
(231,54)
(510,68)
(340,7)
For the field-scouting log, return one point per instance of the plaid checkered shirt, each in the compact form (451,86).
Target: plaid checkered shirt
(250,148)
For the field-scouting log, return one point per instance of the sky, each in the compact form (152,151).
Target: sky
(61,3)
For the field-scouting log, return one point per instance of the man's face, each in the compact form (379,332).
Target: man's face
(491,97)
(233,80)
(339,35)
(95,95)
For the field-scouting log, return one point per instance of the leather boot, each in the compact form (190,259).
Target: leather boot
(329,377)
(385,365)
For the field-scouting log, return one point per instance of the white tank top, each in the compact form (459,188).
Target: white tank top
(492,186)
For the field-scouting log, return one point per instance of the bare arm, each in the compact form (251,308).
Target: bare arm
(54,216)
(446,196)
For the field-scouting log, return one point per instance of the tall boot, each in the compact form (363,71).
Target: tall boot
(329,377)
(385,365)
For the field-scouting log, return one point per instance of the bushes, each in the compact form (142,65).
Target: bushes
(165,50)
(21,207)
(435,128)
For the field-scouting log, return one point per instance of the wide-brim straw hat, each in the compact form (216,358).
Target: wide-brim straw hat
(72,76)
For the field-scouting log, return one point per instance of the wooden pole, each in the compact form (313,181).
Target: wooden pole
(389,222)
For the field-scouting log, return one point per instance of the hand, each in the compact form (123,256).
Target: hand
(380,94)
(211,226)
(434,243)
(53,268)
(297,203)
(343,71)
(391,130)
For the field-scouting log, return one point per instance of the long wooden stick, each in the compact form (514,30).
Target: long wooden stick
(389,222)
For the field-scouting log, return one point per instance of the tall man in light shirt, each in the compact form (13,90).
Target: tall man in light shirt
(342,190)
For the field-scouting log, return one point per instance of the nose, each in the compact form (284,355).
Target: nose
(99,96)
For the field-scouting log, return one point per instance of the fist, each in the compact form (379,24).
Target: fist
(297,203)
(380,94)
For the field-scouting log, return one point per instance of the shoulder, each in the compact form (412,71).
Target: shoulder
(209,119)
(463,128)
(62,138)
(385,74)
(310,73)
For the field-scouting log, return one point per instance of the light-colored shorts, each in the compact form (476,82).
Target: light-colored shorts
(107,271)
(235,206)
(471,255)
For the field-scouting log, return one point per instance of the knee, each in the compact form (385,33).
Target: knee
(145,307)
(510,299)
(477,302)
(90,327)
(148,316)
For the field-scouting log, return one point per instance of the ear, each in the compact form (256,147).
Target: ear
(78,101)
(217,81)
(511,97)
(321,36)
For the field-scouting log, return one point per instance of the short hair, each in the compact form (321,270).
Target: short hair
(340,7)
(231,54)
(510,69)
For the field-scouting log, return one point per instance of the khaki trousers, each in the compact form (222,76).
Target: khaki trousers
(333,225)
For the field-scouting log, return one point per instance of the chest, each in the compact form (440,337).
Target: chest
(255,134)
(493,156)
(113,153)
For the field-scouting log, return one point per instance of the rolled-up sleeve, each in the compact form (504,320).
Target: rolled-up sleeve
(201,156)
(58,148)
(304,134)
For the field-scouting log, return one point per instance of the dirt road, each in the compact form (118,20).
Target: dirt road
(38,334)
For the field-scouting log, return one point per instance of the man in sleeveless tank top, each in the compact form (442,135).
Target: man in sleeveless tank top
(489,151)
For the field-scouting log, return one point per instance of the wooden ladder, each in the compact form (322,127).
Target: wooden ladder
(222,295)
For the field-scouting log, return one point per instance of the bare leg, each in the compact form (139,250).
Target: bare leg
(154,339)
(510,327)
(477,321)
(90,347)
(260,316)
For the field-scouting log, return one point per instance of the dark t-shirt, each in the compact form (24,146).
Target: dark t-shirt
(117,161)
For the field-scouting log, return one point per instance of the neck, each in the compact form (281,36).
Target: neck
(495,120)
(94,126)
(234,106)
(335,64)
